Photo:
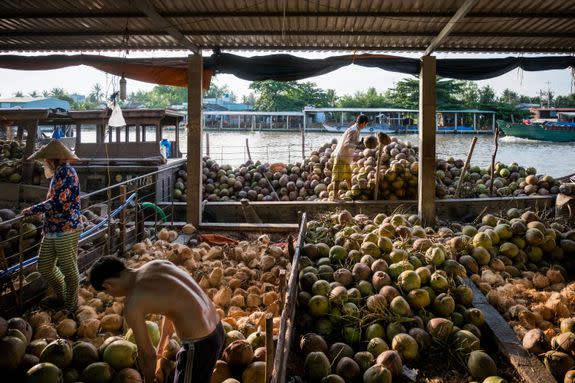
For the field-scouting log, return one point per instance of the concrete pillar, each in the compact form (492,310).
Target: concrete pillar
(426,184)
(194,181)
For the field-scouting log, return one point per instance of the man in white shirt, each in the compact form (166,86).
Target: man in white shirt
(343,154)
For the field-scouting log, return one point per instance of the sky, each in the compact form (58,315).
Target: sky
(345,81)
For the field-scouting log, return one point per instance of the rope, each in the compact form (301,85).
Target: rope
(11,270)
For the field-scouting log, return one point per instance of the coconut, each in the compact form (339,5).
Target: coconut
(128,375)
(238,354)
(254,372)
(391,360)
(221,372)
(84,354)
(153,333)
(67,328)
(37,346)
(558,363)
(12,351)
(111,323)
(422,338)
(99,372)
(89,328)
(120,354)
(44,373)
(37,318)
(564,342)
(316,366)
(59,352)
(312,342)
(465,341)
(377,374)
(348,369)
(260,354)
(376,346)
(481,365)
(21,325)
(406,346)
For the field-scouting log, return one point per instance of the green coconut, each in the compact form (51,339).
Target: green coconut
(316,366)
(377,374)
(481,365)
(59,352)
(99,372)
(44,373)
(406,346)
(121,354)
(153,333)
(84,354)
(558,363)
(254,372)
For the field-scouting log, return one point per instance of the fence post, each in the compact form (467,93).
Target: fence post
(122,221)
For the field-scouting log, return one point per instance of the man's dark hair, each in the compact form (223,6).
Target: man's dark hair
(361,119)
(106,267)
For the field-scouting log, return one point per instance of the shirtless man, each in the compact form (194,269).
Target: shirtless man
(159,287)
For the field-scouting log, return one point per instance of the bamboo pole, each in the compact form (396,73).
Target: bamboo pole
(270,354)
(465,167)
(248,149)
(496,141)
(123,193)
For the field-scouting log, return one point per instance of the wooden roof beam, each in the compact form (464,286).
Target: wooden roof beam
(461,12)
(146,7)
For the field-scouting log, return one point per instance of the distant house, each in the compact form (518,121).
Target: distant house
(34,102)
(78,98)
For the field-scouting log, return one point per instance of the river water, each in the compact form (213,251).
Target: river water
(552,158)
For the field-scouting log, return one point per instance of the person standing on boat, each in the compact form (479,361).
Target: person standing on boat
(57,261)
(343,154)
(160,287)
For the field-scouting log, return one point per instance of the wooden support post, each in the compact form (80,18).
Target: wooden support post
(194,163)
(248,149)
(28,165)
(123,193)
(302,128)
(465,167)
(493,156)
(282,289)
(270,354)
(426,184)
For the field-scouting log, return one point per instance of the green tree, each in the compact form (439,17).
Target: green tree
(217,91)
(509,97)
(369,99)
(565,101)
(96,95)
(487,95)
(289,95)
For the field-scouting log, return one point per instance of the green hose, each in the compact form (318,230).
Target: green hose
(158,210)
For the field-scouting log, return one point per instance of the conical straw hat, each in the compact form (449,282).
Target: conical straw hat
(54,150)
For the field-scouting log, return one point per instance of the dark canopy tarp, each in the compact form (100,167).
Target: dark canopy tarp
(280,67)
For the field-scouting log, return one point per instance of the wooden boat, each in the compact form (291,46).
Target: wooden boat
(370,129)
(547,131)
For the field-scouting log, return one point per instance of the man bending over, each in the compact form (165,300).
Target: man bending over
(159,287)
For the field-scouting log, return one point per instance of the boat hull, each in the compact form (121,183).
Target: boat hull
(540,132)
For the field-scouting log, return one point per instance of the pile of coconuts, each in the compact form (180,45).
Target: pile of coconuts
(524,263)
(241,279)
(383,294)
(311,179)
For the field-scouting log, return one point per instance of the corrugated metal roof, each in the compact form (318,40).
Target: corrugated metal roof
(407,25)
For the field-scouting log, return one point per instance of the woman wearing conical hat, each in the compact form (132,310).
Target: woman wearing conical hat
(57,260)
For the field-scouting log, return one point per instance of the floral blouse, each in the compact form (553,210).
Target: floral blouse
(62,207)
